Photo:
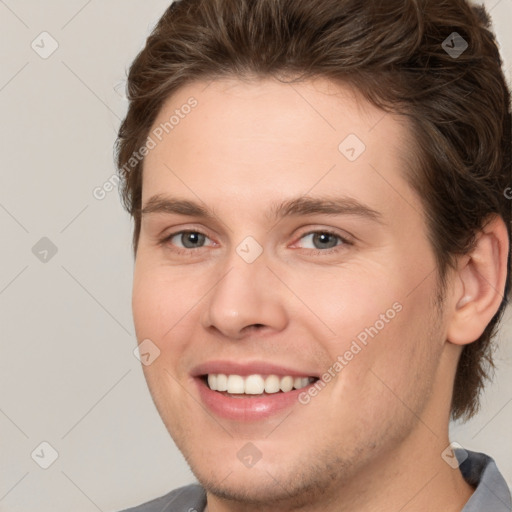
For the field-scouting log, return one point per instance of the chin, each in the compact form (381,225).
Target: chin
(291,483)
(266,490)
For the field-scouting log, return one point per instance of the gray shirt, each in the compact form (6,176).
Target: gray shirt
(479,470)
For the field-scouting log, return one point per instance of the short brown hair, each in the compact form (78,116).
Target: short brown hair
(395,53)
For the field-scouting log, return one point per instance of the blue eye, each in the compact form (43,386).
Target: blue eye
(187,239)
(323,239)
(186,242)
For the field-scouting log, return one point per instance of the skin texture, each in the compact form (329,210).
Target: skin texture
(372,438)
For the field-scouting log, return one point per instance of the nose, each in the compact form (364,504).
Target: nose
(247,298)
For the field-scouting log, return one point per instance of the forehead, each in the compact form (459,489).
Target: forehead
(257,140)
(268,112)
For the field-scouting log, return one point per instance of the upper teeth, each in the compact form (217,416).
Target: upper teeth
(255,384)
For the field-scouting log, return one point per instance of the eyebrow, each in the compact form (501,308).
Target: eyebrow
(300,206)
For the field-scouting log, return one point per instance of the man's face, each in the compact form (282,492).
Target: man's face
(275,285)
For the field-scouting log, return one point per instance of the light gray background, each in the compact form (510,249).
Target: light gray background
(68,375)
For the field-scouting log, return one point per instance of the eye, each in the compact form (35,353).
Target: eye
(186,239)
(324,240)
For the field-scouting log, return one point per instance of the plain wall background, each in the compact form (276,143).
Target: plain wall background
(68,375)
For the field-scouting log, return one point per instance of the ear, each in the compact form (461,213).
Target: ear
(479,283)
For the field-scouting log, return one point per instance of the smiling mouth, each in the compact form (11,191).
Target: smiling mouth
(238,386)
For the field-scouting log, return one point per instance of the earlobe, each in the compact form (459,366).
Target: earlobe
(481,281)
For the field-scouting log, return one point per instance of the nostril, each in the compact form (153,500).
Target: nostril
(254,327)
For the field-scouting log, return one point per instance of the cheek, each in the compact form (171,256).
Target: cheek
(397,361)
(157,309)
(343,301)
(166,305)
(149,303)
(379,318)
(160,300)
(160,312)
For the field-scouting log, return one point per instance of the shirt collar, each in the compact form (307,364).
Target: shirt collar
(491,490)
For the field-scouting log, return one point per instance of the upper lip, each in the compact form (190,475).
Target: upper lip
(250,368)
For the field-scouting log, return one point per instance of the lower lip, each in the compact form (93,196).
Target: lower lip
(252,408)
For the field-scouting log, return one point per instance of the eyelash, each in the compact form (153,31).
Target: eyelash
(190,251)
